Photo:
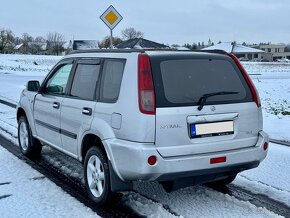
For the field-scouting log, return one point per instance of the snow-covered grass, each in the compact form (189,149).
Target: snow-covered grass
(273,83)
(270,178)
(16,70)
(27,193)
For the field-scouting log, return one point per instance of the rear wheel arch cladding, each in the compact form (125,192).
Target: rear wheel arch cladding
(90,140)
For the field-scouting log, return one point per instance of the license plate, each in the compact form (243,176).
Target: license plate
(201,130)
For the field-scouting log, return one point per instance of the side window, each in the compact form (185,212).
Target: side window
(111,80)
(58,82)
(85,81)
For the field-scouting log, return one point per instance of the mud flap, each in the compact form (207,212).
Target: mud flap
(117,184)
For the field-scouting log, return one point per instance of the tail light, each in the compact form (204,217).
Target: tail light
(145,85)
(250,83)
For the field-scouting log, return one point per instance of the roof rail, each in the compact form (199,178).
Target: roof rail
(141,51)
(215,51)
(106,51)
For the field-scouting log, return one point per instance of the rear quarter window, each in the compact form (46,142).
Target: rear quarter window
(182,82)
(111,80)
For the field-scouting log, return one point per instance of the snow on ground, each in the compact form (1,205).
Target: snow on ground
(273,83)
(16,70)
(196,201)
(270,178)
(180,202)
(26,193)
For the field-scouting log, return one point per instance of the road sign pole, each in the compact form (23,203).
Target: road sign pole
(111,39)
(111,18)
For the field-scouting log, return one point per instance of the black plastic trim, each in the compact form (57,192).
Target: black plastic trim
(55,129)
(210,172)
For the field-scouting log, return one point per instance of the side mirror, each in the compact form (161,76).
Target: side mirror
(33,85)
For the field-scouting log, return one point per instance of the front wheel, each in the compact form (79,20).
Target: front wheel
(29,145)
(97,177)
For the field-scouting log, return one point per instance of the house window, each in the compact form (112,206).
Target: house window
(255,55)
(269,50)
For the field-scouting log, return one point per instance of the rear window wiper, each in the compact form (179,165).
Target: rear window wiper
(203,98)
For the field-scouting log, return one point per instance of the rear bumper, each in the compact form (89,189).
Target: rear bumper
(129,160)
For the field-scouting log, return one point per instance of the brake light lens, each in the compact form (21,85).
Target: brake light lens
(145,85)
(250,83)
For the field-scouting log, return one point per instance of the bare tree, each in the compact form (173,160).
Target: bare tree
(27,38)
(55,42)
(105,43)
(39,39)
(131,33)
(6,39)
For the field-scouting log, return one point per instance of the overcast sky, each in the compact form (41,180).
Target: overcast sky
(165,21)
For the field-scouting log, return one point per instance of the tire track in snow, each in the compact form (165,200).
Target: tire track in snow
(259,200)
(265,184)
(70,185)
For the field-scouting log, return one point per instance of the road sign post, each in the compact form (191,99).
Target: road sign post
(111,18)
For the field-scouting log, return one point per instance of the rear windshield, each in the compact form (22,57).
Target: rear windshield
(183,81)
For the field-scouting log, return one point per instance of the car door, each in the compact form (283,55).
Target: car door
(77,107)
(48,104)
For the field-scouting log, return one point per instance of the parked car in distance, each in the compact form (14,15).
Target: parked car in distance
(264,60)
(177,117)
(244,59)
(283,60)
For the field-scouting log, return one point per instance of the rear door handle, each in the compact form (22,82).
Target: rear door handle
(87,111)
(56,105)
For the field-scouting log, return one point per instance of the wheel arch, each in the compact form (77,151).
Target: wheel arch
(89,140)
(20,112)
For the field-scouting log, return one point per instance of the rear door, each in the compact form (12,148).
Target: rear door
(77,107)
(227,121)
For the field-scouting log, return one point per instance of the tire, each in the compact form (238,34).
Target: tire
(97,176)
(222,182)
(29,145)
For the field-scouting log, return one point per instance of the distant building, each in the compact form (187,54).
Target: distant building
(140,43)
(274,51)
(85,44)
(31,48)
(240,51)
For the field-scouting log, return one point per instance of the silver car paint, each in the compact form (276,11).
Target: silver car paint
(140,136)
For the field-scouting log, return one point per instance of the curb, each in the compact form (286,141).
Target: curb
(279,142)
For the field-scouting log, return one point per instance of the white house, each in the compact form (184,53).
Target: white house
(238,50)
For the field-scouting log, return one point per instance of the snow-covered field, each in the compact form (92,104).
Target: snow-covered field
(274,88)
(270,178)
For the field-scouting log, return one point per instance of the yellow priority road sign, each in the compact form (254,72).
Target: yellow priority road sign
(111,17)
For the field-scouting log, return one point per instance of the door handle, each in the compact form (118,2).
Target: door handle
(87,111)
(56,105)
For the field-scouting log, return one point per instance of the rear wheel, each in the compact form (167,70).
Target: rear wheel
(97,177)
(29,145)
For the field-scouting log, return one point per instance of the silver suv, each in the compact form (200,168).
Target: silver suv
(180,118)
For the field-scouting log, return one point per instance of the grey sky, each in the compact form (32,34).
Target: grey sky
(166,21)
